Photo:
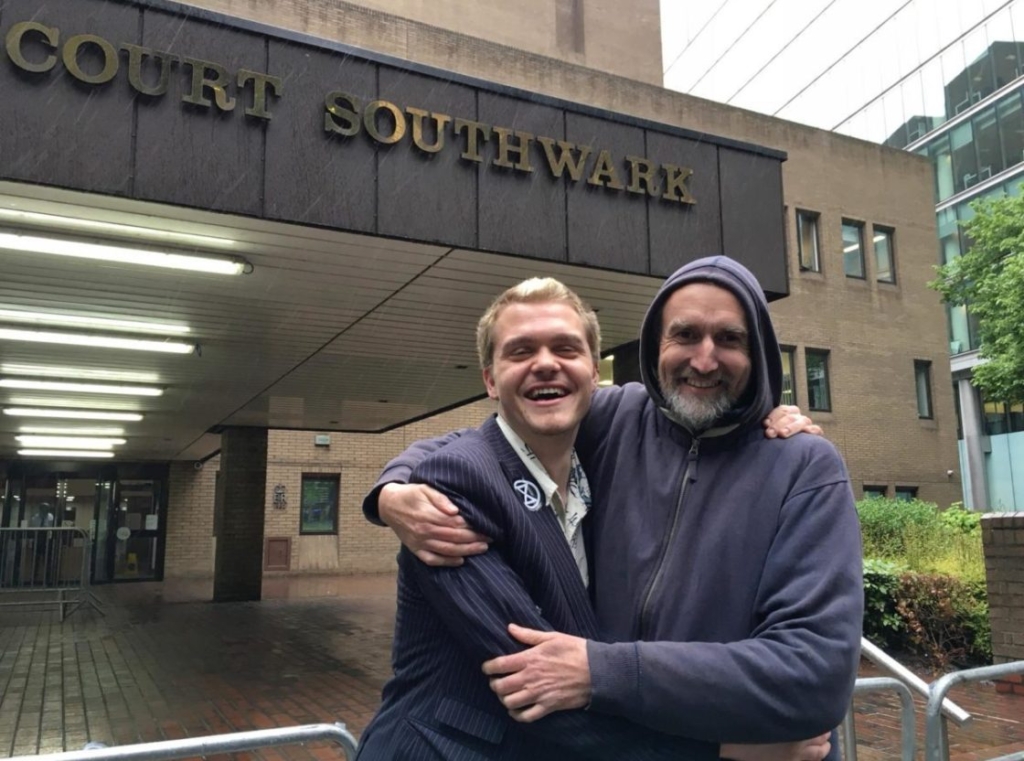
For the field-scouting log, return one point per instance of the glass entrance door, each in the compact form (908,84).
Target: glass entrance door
(48,501)
(121,516)
(136,529)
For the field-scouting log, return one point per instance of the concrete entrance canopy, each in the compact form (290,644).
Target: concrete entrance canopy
(380,204)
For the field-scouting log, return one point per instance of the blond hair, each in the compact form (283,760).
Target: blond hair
(536,290)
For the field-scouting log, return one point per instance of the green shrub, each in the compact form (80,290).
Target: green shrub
(917,535)
(959,520)
(924,581)
(882,622)
(945,619)
(886,524)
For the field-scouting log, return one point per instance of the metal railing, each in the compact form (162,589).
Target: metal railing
(936,735)
(885,661)
(908,725)
(234,742)
(939,707)
(46,567)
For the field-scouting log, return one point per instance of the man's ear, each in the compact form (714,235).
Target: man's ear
(492,390)
(596,379)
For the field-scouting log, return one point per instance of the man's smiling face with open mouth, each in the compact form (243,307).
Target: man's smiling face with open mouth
(542,373)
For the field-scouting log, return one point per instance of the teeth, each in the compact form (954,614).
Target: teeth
(546,393)
(699,383)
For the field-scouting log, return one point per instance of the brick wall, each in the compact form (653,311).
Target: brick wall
(1003,537)
(359,546)
(588,33)
(190,543)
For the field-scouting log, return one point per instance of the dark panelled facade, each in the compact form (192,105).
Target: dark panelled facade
(188,144)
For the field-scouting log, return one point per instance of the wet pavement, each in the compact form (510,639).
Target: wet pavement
(162,665)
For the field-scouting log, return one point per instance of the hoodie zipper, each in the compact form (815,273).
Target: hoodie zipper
(691,468)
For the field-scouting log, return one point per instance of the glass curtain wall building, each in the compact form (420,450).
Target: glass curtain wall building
(963,108)
(942,78)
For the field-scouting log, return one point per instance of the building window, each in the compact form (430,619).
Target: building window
(906,493)
(995,417)
(788,376)
(853,249)
(965,161)
(1016,417)
(318,513)
(885,263)
(1000,418)
(1011,129)
(818,396)
(875,492)
(923,383)
(807,241)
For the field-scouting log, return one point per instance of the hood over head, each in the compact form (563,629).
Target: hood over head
(765,388)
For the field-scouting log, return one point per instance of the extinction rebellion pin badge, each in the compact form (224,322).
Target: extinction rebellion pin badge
(530,494)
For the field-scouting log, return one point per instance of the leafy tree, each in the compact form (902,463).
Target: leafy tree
(990,279)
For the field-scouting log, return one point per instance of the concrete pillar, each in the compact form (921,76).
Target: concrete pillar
(238,570)
(974,442)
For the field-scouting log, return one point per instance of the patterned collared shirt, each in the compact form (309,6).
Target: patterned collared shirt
(570,516)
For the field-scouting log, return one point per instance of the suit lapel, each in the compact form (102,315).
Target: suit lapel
(543,521)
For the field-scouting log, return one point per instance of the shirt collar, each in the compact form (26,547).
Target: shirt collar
(530,460)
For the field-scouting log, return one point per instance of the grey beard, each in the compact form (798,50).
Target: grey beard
(698,414)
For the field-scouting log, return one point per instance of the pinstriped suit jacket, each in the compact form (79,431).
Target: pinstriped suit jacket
(438,705)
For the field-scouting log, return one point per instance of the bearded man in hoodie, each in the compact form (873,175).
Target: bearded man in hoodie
(725,566)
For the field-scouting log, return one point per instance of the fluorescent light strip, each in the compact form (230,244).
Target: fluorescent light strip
(102,342)
(47,319)
(128,417)
(16,241)
(43,430)
(56,371)
(21,216)
(82,388)
(68,442)
(112,403)
(63,453)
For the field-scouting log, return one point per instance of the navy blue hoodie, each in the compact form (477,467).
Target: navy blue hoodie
(726,568)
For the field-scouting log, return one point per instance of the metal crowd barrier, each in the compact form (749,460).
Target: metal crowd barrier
(235,742)
(936,734)
(883,660)
(46,567)
(908,725)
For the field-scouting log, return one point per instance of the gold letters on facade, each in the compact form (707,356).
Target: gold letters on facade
(208,82)
(345,115)
(210,85)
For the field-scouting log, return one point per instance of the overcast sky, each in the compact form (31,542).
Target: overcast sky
(819,61)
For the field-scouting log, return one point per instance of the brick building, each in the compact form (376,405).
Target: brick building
(840,231)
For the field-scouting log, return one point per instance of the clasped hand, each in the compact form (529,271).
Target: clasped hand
(553,674)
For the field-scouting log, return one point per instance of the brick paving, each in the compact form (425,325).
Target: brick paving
(160,665)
